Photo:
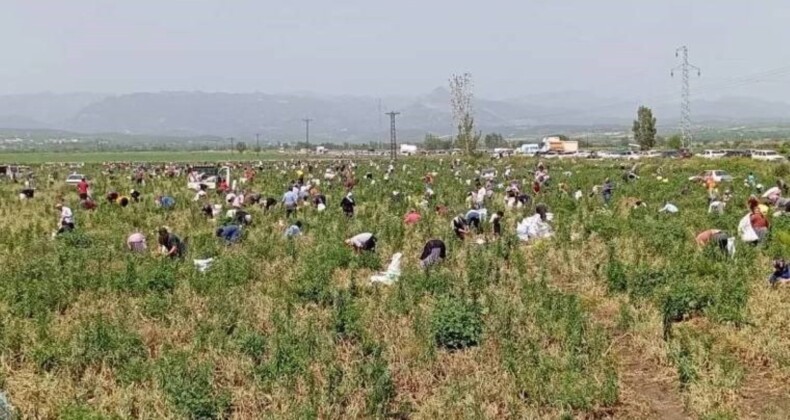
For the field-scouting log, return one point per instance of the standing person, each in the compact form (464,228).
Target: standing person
(460,227)
(606,191)
(82,189)
(290,201)
(496,220)
(294,230)
(136,242)
(348,205)
(230,233)
(171,244)
(66,219)
(433,252)
(362,242)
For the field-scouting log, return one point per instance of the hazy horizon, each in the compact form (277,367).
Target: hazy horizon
(359,48)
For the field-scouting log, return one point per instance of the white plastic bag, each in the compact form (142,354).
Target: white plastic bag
(392,274)
(746,231)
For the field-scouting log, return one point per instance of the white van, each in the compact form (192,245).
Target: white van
(767,155)
(712,154)
(528,149)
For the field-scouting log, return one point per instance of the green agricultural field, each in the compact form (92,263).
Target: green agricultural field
(619,315)
(141,156)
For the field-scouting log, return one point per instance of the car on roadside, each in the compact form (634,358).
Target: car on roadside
(717,175)
(738,153)
(74,179)
(767,156)
(712,154)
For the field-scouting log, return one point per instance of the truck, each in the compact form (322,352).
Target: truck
(558,145)
(408,149)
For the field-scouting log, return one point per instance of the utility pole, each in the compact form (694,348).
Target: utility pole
(685,93)
(381,129)
(258,143)
(307,131)
(231,145)
(393,135)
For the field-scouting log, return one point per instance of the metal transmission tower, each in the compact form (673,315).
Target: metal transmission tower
(307,131)
(685,94)
(393,135)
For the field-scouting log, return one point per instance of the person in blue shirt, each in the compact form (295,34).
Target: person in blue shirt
(290,200)
(606,192)
(230,233)
(474,217)
(781,273)
(294,230)
(165,202)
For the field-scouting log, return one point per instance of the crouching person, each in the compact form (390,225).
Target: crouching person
(363,242)
(433,252)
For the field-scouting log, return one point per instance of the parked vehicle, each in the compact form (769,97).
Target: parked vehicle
(651,154)
(767,155)
(712,154)
(528,149)
(74,179)
(717,175)
(556,144)
(738,153)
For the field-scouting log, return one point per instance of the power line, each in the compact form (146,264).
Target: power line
(393,135)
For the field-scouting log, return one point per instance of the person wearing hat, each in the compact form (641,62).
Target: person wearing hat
(172,245)
(348,204)
(136,242)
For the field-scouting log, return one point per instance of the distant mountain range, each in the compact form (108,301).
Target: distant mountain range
(346,118)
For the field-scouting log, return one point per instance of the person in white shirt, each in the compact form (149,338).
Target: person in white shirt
(362,242)
(66,221)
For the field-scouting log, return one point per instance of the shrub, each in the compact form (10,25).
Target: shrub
(457,324)
(99,341)
(190,389)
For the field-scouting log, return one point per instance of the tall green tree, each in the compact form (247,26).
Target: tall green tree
(241,147)
(645,128)
(463,114)
(675,142)
(494,140)
(434,142)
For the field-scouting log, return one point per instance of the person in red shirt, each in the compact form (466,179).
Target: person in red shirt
(82,189)
(412,217)
(759,222)
(223,186)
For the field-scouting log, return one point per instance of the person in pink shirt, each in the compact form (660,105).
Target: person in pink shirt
(136,242)
(412,217)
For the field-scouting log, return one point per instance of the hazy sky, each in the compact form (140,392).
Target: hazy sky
(609,47)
